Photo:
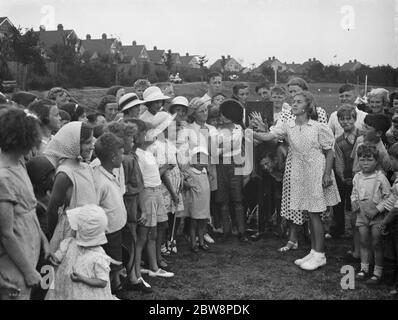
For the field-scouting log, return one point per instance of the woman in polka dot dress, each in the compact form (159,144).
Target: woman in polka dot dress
(309,184)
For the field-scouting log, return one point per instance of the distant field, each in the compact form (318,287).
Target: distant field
(325,93)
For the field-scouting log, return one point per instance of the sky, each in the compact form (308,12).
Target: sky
(333,31)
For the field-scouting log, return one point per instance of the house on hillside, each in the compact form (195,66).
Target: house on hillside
(271,63)
(295,68)
(48,39)
(231,65)
(157,57)
(176,59)
(5,26)
(94,48)
(135,54)
(189,61)
(308,64)
(350,66)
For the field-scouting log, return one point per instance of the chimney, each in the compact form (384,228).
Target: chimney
(269,58)
(293,62)
(42,28)
(273,58)
(155,48)
(355,60)
(134,43)
(309,59)
(229,57)
(104,36)
(88,37)
(187,54)
(60,27)
(350,61)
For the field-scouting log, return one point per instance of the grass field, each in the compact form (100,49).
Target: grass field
(325,94)
(255,270)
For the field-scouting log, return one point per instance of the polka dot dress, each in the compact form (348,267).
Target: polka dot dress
(296,216)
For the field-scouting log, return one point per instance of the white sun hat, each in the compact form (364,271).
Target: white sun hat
(129,100)
(90,223)
(177,101)
(154,93)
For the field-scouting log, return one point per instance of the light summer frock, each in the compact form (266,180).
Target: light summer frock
(296,216)
(91,262)
(306,145)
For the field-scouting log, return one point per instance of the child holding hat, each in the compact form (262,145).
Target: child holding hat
(230,183)
(82,271)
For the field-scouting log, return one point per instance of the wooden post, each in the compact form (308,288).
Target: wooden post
(276,75)
(366,84)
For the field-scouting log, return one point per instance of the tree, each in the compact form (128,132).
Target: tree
(316,71)
(202,60)
(146,68)
(26,50)
(268,73)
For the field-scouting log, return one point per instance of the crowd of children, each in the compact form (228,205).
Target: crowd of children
(100,195)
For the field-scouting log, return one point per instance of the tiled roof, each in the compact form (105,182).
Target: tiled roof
(156,55)
(100,46)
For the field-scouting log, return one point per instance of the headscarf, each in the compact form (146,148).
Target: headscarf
(65,144)
(52,94)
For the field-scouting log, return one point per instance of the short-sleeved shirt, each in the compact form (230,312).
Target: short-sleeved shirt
(110,194)
(149,168)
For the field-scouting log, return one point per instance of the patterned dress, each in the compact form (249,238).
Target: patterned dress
(307,143)
(91,262)
(296,216)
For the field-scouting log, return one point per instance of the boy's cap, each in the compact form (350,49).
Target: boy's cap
(90,222)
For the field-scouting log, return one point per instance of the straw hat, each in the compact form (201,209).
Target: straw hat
(129,100)
(153,94)
(90,222)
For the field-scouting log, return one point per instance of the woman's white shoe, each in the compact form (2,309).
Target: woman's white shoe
(299,262)
(316,261)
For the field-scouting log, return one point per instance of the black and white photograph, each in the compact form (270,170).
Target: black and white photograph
(216,151)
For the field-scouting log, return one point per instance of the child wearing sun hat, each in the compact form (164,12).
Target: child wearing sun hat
(82,271)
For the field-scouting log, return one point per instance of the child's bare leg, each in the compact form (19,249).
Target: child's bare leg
(151,249)
(356,237)
(201,231)
(293,231)
(364,237)
(133,253)
(159,240)
(378,250)
(142,237)
(193,228)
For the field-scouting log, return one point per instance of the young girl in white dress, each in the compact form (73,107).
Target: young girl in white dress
(83,266)
(312,182)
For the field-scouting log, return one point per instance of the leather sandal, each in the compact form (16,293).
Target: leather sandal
(289,246)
